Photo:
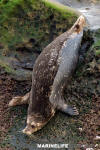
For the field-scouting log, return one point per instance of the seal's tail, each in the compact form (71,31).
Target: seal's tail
(19,100)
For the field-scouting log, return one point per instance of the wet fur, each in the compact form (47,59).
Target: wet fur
(48,81)
(44,72)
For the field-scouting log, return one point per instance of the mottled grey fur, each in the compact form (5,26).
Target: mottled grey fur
(67,61)
(52,71)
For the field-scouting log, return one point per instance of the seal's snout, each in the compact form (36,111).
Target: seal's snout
(29,129)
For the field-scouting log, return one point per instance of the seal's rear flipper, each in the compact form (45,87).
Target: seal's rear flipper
(69,110)
(19,100)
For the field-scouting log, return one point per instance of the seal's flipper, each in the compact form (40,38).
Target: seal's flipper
(69,110)
(19,100)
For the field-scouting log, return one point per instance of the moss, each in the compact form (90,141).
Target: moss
(22,20)
(30,26)
(97,52)
(64,10)
(96,45)
(7,68)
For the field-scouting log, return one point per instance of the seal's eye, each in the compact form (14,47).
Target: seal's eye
(77,26)
(32,126)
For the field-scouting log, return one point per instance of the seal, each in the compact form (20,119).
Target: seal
(51,73)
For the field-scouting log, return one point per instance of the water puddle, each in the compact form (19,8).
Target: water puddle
(90,9)
(61,129)
(92,13)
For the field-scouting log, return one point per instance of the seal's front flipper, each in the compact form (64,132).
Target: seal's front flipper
(69,110)
(19,100)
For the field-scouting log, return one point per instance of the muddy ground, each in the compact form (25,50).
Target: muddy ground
(84,92)
(8,89)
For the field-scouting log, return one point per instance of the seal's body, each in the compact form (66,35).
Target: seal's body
(51,73)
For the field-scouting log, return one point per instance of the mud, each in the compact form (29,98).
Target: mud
(83,91)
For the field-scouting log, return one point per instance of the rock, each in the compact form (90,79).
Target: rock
(26,27)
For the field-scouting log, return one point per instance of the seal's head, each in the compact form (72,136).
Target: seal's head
(32,125)
(79,24)
(36,122)
(29,129)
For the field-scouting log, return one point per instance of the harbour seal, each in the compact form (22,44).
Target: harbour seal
(51,73)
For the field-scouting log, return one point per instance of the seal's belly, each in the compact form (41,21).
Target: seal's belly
(68,56)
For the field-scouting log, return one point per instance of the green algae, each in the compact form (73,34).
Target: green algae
(34,22)
(22,20)
(96,45)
